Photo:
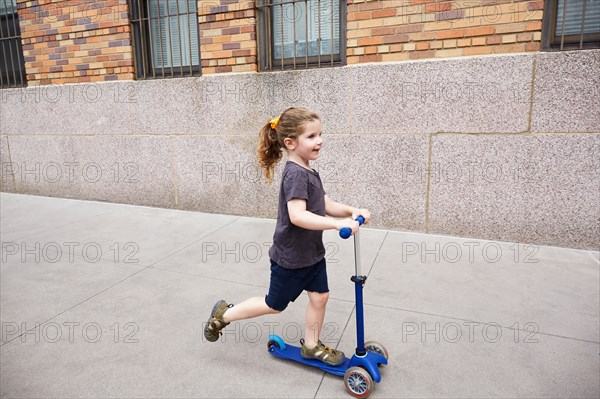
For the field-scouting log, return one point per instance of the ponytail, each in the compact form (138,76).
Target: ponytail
(269,151)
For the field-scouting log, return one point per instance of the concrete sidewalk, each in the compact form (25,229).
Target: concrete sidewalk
(109,300)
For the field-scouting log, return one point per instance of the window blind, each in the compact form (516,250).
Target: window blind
(8,7)
(314,16)
(573,17)
(174,31)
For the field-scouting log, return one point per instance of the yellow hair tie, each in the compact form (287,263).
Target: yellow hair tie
(274,122)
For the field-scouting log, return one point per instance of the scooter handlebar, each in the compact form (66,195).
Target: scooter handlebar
(346,232)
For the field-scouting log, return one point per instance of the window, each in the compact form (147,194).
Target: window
(12,63)
(571,24)
(297,34)
(165,38)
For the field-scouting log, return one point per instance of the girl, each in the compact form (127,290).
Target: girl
(297,254)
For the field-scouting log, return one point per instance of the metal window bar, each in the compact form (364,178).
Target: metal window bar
(270,9)
(162,55)
(305,34)
(179,37)
(169,30)
(282,40)
(565,17)
(332,44)
(319,44)
(146,29)
(12,62)
(269,39)
(18,45)
(4,40)
(143,41)
(9,40)
(562,30)
(187,12)
(154,54)
(582,28)
(294,30)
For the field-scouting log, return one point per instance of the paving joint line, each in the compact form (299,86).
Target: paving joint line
(74,306)
(117,283)
(207,277)
(195,241)
(474,321)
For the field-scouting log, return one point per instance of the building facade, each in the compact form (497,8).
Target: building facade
(471,118)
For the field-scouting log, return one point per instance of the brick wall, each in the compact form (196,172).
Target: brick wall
(415,29)
(75,41)
(227,36)
(85,41)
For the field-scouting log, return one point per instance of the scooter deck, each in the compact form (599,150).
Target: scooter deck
(293,353)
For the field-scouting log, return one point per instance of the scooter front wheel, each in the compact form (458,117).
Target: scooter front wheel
(358,382)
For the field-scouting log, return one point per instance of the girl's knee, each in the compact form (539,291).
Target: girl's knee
(274,311)
(319,299)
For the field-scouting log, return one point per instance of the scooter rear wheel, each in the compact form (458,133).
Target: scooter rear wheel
(275,341)
(376,347)
(272,344)
(358,382)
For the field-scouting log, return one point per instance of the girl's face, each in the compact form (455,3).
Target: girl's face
(306,147)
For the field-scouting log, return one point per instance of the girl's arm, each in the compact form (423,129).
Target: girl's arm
(310,221)
(339,210)
(336,209)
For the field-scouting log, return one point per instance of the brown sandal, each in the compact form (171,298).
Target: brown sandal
(215,322)
(321,352)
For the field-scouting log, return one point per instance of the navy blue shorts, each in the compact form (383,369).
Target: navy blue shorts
(287,284)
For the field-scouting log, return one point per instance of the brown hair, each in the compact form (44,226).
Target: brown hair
(270,141)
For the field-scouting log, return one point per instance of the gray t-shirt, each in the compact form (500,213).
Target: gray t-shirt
(295,247)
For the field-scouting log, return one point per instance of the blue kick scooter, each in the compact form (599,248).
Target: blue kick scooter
(361,371)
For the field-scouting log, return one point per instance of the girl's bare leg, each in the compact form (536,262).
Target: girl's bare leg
(315,314)
(251,307)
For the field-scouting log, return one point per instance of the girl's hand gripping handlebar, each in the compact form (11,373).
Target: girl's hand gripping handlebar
(347,232)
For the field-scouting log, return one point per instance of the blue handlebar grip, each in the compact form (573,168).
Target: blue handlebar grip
(347,232)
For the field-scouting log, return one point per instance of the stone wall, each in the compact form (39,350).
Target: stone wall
(503,147)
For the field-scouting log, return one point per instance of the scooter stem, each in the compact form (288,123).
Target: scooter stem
(359,281)
(357,254)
